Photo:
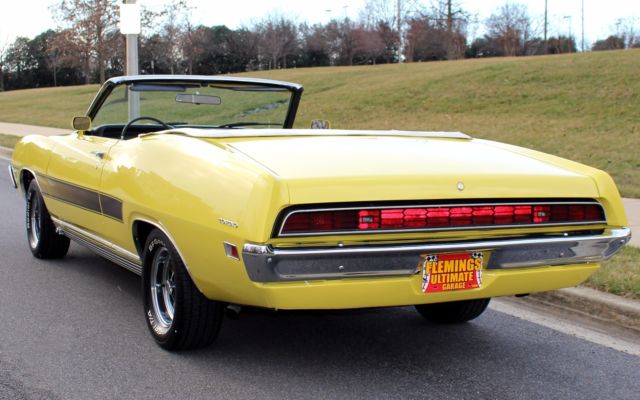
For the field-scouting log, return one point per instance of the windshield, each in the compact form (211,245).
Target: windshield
(207,105)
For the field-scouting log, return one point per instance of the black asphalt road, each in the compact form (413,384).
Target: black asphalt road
(74,329)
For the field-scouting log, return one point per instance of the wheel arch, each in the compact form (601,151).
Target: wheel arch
(142,227)
(141,230)
(25,178)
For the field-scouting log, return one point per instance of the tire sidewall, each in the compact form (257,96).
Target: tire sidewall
(33,195)
(156,241)
(50,243)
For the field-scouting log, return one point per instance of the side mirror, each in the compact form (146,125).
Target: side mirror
(320,124)
(81,124)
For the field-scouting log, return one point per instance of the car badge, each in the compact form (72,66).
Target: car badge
(228,223)
(460,186)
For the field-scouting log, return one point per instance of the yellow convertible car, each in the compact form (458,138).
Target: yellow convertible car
(202,186)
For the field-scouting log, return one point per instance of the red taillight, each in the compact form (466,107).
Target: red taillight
(541,214)
(434,217)
(368,219)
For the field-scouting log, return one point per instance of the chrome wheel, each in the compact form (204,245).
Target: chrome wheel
(163,289)
(178,315)
(35,223)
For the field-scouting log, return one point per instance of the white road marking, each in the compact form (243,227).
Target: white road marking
(564,326)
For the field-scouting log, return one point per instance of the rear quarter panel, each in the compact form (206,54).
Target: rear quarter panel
(185,186)
(608,194)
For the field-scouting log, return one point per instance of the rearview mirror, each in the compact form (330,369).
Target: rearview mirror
(320,124)
(81,123)
(198,99)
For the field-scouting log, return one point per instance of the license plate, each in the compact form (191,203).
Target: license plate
(452,271)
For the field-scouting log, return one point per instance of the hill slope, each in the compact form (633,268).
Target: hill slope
(584,107)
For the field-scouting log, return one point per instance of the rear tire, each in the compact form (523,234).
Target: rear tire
(453,312)
(178,316)
(42,237)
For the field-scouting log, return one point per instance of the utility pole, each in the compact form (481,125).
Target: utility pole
(132,49)
(449,31)
(130,27)
(400,39)
(570,39)
(582,41)
(545,28)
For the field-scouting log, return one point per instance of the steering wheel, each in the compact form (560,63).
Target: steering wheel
(124,130)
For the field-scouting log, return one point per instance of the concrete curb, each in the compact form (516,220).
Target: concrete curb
(591,303)
(6,152)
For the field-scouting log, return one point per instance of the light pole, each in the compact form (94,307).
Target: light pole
(546,47)
(130,27)
(582,23)
(400,34)
(569,17)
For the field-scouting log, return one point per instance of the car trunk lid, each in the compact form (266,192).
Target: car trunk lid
(342,168)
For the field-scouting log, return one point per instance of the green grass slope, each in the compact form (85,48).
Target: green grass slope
(54,107)
(585,107)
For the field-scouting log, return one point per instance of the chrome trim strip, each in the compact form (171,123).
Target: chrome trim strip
(267,264)
(439,229)
(104,248)
(13,177)
(442,229)
(224,133)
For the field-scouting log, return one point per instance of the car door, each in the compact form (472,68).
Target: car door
(72,184)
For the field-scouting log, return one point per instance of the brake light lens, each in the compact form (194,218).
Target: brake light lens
(433,217)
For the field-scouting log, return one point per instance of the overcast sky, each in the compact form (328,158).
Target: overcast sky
(31,17)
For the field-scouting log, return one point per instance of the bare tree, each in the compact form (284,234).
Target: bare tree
(449,16)
(196,41)
(628,31)
(391,41)
(67,52)
(278,40)
(3,53)
(610,43)
(368,45)
(173,28)
(19,59)
(53,59)
(342,41)
(243,50)
(437,33)
(510,25)
(379,11)
(394,15)
(91,30)
(426,40)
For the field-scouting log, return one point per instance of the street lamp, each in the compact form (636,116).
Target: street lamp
(130,27)
(569,17)
(570,40)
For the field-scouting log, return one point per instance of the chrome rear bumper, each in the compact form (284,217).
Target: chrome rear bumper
(266,264)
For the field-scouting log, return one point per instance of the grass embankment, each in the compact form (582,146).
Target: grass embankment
(53,107)
(579,106)
(620,275)
(8,140)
